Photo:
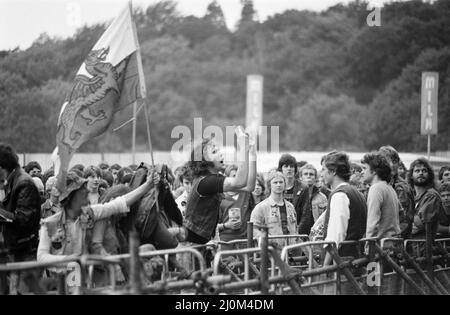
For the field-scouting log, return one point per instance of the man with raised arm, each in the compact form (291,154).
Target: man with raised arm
(203,206)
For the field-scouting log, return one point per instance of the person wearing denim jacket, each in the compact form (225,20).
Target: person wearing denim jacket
(272,211)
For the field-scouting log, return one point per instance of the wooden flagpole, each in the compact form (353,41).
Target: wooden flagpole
(133,141)
(147,120)
(144,96)
(143,89)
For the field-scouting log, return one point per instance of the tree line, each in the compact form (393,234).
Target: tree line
(330,80)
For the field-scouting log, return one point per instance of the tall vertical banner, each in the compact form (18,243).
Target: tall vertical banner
(254,111)
(429,105)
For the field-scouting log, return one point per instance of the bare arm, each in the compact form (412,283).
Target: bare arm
(240,181)
(251,181)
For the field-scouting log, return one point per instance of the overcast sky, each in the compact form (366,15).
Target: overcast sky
(22,21)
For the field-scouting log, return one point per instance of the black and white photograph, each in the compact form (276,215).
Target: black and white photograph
(229,154)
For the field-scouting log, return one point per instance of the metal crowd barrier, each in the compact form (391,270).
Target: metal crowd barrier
(111,261)
(390,265)
(307,249)
(59,268)
(249,264)
(75,274)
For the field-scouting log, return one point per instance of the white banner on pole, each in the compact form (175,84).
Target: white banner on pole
(429,104)
(254,113)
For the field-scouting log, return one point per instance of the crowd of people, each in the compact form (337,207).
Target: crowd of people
(205,200)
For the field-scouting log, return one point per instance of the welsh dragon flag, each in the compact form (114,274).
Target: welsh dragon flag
(110,79)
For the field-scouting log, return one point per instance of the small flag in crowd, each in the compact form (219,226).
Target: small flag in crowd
(110,79)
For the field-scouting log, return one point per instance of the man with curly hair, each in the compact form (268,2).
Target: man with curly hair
(404,192)
(203,206)
(382,200)
(427,200)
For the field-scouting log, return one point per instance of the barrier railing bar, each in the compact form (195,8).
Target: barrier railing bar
(345,269)
(398,269)
(264,276)
(421,274)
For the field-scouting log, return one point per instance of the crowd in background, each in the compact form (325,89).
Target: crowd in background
(344,200)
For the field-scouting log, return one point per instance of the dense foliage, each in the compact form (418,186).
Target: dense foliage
(330,80)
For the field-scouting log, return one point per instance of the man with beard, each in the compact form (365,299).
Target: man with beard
(403,190)
(427,199)
(444,218)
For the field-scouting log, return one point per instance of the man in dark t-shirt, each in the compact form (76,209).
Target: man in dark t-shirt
(202,210)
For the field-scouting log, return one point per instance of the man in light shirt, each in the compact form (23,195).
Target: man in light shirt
(404,192)
(383,205)
(346,215)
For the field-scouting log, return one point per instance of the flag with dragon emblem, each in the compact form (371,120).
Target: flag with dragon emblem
(110,79)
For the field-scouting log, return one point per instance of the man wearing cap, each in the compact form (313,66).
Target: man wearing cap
(64,234)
